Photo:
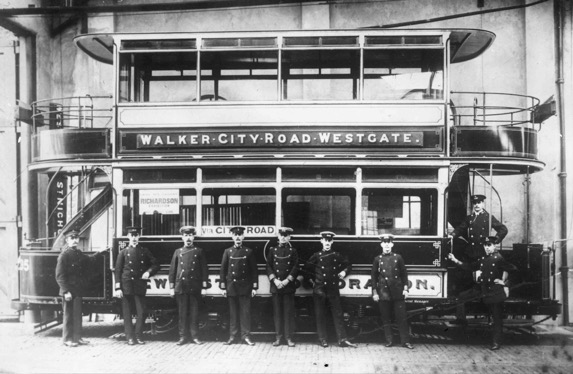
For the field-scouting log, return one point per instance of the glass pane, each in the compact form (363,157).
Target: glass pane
(159,44)
(159,176)
(399,74)
(319,175)
(242,174)
(399,211)
(399,175)
(320,75)
(159,211)
(239,75)
(310,211)
(246,207)
(158,77)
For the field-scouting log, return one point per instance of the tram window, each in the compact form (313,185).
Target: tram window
(310,211)
(399,175)
(320,74)
(239,75)
(238,206)
(399,211)
(159,176)
(399,74)
(159,211)
(241,174)
(158,77)
(318,175)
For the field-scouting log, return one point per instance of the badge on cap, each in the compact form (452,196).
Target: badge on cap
(237,230)
(387,238)
(285,231)
(188,230)
(477,198)
(328,235)
(489,240)
(72,233)
(133,230)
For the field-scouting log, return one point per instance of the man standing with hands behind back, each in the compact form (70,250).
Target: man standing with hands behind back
(390,289)
(239,283)
(282,269)
(133,268)
(188,277)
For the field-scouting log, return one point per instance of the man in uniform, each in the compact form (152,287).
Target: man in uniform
(239,283)
(72,270)
(475,228)
(324,270)
(472,231)
(188,277)
(134,266)
(492,284)
(282,269)
(390,289)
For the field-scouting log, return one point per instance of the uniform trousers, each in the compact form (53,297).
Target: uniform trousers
(496,310)
(398,307)
(130,302)
(188,308)
(283,312)
(321,299)
(72,326)
(240,308)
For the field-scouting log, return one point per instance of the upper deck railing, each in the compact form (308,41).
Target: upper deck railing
(492,109)
(76,112)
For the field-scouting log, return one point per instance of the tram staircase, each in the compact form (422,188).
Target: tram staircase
(83,220)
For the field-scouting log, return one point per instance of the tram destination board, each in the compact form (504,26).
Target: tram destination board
(286,139)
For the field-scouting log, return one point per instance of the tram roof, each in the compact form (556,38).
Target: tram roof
(465,44)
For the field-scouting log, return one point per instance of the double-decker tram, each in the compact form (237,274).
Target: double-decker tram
(358,132)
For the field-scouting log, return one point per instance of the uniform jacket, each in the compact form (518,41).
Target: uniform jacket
(282,263)
(389,276)
(131,263)
(239,271)
(73,270)
(474,228)
(491,268)
(188,271)
(323,267)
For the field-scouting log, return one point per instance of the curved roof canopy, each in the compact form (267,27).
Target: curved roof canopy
(465,44)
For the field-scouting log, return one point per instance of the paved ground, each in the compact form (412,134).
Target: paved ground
(439,348)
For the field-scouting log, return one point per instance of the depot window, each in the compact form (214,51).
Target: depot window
(236,206)
(399,211)
(312,210)
(159,211)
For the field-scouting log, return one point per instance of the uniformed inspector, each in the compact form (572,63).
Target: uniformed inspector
(239,283)
(390,289)
(475,227)
(473,230)
(72,273)
(324,270)
(282,269)
(492,284)
(188,276)
(133,268)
